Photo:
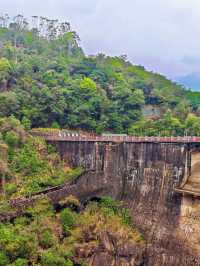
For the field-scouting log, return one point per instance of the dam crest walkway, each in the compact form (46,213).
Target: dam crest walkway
(66,136)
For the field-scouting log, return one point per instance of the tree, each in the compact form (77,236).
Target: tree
(88,84)
(67,219)
(170,125)
(192,125)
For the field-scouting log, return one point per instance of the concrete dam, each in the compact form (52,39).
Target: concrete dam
(157,178)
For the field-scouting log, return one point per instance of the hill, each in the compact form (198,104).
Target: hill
(46,80)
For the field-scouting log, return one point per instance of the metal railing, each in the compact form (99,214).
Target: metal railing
(81,137)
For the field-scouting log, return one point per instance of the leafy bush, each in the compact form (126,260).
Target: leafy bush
(55,125)
(112,207)
(19,262)
(70,202)
(26,123)
(5,208)
(4,65)
(28,160)
(49,258)
(51,148)
(11,138)
(3,259)
(110,204)
(41,207)
(46,239)
(68,219)
(15,244)
(69,263)
(126,216)
(10,188)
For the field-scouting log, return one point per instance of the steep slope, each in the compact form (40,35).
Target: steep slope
(46,80)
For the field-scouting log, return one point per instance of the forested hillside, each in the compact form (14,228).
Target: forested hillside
(46,80)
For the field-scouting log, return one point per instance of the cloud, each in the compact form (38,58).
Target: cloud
(162,35)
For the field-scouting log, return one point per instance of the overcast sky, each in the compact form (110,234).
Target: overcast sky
(162,35)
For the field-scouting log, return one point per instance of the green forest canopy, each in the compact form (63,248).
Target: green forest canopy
(46,80)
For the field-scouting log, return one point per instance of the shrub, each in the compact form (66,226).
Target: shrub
(11,138)
(126,216)
(26,123)
(71,202)
(42,206)
(4,65)
(51,149)
(46,239)
(110,204)
(5,208)
(28,160)
(55,125)
(69,263)
(19,262)
(49,258)
(10,188)
(22,221)
(68,219)
(3,259)
(88,84)
(15,244)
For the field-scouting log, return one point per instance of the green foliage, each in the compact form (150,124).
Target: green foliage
(49,258)
(10,188)
(112,207)
(192,125)
(110,204)
(15,244)
(5,208)
(3,259)
(170,125)
(46,239)
(38,239)
(126,216)
(71,202)
(27,160)
(26,123)
(28,164)
(19,262)
(88,84)
(49,82)
(68,219)
(55,125)
(12,139)
(69,263)
(41,207)
(4,65)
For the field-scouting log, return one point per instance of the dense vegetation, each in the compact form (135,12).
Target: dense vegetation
(45,237)
(47,81)
(27,164)
(44,234)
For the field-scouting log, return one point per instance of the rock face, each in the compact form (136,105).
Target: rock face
(144,175)
(110,251)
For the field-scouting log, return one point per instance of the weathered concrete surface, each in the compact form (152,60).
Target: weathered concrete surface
(193,182)
(144,175)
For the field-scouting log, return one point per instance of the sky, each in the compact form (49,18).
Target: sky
(162,35)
